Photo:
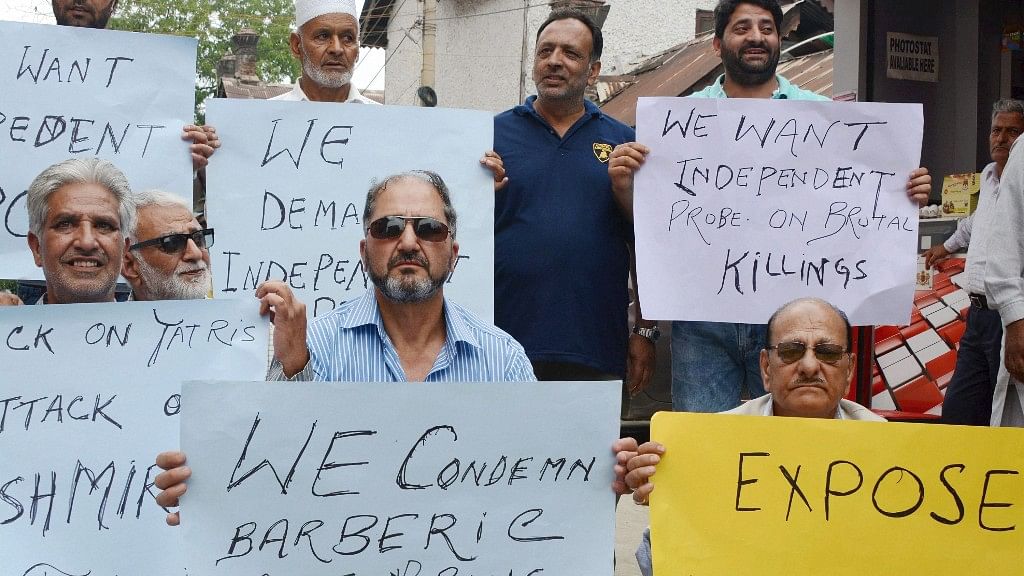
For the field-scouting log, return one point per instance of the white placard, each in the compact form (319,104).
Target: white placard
(744,205)
(407,479)
(78,92)
(910,57)
(89,394)
(287,190)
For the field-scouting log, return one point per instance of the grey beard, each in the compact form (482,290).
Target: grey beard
(321,78)
(397,290)
(161,287)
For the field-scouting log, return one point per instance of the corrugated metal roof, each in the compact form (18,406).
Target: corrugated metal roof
(373,23)
(812,72)
(677,74)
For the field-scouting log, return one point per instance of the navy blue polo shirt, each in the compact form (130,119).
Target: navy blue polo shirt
(561,256)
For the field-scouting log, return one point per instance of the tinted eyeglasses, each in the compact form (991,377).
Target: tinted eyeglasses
(790,352)
(175,243)
(425,227)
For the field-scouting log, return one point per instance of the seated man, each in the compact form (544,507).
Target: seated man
(79,212)
(402,329)
(807,369)
(168,255)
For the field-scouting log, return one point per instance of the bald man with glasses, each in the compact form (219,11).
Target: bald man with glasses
(807,368)
(168,256)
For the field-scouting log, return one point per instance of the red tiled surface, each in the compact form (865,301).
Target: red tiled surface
(942,365)
(883,332)
(951,266)
(920,395)
(923,393)
(924,299)
(877,384)
(888,345)
(952,333)
(913,330)
(916,316)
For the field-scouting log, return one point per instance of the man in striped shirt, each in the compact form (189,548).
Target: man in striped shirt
(402,329)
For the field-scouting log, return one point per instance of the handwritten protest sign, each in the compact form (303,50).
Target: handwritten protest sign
(361,479)
(801,496)
(288,188)
(89,395)
(77,92)
(745,204)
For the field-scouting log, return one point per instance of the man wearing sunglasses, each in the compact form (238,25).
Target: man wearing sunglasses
(203,140)
(168,256)
(403,328)
(807,368)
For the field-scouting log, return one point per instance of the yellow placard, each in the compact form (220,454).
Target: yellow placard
(747,495)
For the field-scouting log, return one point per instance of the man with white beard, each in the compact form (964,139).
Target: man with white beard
(326,41)
(168,257)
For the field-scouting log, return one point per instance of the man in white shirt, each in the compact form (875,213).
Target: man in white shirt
(168,256)
(969,397)
(1004,286)
(326,41)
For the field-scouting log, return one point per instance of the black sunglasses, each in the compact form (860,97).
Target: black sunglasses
(425,227)
(175,243)
(790,352)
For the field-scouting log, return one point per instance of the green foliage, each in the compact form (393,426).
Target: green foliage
(213,23)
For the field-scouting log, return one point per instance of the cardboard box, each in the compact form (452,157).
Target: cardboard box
(960,194)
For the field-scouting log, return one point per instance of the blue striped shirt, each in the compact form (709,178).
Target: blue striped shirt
(350,345)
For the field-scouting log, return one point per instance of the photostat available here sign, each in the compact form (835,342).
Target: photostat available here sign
(910,57)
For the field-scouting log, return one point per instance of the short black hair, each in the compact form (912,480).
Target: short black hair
(725,8)
(573,14)
(825,303)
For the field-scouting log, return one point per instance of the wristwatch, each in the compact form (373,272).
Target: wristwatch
(652,333)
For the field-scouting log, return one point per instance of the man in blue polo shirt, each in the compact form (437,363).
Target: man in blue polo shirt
(714,363)
(562,251)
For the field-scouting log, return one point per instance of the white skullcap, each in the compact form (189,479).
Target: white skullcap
(306,10)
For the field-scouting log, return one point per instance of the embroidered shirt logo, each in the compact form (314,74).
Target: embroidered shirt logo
(602,151)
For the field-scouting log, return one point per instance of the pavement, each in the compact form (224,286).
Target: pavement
(630,522)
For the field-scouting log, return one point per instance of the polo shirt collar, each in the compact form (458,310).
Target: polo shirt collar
(784,91)
(526,109)
(590,111)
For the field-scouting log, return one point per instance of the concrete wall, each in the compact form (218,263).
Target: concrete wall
(957,107)
(851,18)
(480,45)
